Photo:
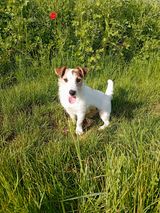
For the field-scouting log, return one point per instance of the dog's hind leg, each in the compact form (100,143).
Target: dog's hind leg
(105,118)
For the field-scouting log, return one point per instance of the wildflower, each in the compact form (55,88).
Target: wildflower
(53,15)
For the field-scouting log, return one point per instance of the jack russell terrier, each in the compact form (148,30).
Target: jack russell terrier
(77,98)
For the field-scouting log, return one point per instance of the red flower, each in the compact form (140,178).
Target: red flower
(53,15)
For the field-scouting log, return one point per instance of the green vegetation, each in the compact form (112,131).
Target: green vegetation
(45,167)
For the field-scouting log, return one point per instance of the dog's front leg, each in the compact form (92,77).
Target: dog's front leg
(80,118)
(72,115)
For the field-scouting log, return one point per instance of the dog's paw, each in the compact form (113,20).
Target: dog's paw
(79,131)
(73,120)
(103,126)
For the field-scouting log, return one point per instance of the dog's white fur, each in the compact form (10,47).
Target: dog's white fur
(86,98)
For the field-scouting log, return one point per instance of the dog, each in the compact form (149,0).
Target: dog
(77,98)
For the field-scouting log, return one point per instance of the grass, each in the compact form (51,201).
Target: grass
(45,167)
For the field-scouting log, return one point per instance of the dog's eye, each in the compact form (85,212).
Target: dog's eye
(65,79)
(78,80)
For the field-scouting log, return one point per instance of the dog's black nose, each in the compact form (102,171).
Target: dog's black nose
(72,92)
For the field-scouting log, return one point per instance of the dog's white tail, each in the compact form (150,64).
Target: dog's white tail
(109,90)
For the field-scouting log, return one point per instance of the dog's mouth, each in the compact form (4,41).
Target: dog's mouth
(72,99)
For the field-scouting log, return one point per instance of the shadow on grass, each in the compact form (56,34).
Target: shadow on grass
(122,107)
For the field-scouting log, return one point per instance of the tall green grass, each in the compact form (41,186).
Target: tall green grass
(45,167)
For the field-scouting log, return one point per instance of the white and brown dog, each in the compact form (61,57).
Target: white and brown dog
(77,98)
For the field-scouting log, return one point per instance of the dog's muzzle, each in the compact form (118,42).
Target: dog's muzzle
(72,97)
(72,92)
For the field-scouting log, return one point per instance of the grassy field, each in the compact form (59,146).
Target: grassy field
(45,167)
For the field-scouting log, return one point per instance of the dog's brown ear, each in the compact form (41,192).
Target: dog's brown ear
(60,71)
(83,71)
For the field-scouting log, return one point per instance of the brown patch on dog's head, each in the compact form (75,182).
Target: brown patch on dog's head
(80,74)
(60,71)
(82,71)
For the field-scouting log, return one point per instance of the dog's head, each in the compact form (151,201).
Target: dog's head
(71,80)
